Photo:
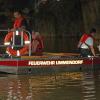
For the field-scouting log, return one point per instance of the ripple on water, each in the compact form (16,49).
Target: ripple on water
(62,86)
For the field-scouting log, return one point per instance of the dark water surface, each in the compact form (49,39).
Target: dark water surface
(62,86)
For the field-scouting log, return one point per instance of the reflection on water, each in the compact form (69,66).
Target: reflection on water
(88,86)
(62,86)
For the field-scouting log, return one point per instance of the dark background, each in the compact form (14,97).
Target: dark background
(60,21)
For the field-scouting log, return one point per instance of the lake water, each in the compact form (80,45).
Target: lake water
(62,86)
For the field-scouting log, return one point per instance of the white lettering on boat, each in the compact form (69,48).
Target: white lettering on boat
(41,63)
(69,62)
(57,62)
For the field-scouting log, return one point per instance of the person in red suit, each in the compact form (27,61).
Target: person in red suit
(20,21)
(37,43)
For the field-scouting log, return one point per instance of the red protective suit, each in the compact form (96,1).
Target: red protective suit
(84,37)
(18,22)
(39,47)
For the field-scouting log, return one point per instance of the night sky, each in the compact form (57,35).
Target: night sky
(14,3)
(20,3)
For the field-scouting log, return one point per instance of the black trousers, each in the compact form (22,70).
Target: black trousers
(85,52)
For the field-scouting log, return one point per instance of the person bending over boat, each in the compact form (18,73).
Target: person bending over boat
(98,47)
(37,43)
(86,44)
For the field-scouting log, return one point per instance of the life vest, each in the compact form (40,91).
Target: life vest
(84,37)
(40,46)
(18,22)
